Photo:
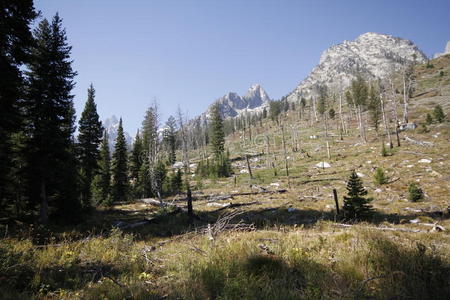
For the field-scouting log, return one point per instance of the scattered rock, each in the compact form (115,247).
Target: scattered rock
(275,184)
(410,166)
(435,174)
(178,165)
(425,161)
(377,190)
(407,126)
(243,171)
(323,164)
(313,137)
(360,174)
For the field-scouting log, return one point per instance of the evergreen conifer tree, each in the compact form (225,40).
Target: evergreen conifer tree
(101,184)
(170,139)
(89,137)
(120,167)
(136,157)
(438,113)
(15,43)
(50,123)
(358,96)
(374,108)
(217,134)
(356,206)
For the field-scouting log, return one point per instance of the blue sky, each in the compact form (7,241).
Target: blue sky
(191,52)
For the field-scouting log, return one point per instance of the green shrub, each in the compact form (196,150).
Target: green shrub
(415,193)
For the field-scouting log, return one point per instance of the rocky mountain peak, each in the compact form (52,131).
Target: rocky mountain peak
(371,54)
(111,125)
(447,51)
(232,104)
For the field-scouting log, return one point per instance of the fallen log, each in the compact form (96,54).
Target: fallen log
(416,142)
(218,204)
(281,191)
(214,198)
(232,205)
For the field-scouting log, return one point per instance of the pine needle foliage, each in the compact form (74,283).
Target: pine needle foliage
(415,193)
(356,206)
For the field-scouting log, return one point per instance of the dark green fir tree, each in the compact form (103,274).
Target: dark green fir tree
(120,182)
(439,114)
(356,206)
(217,134)
(101,184)
(89,137)
(50,123)
(170,139)
(16,39)
(136,158)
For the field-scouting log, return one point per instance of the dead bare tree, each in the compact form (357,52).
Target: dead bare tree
(285,156)
(408,82)
(185,150)
(385,121)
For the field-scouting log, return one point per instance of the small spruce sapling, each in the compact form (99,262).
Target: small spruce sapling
(356,206)
(438,113)
(415,193)
(429,119)
(384,152)
(380,178)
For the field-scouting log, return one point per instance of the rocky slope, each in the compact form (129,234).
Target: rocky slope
(373,55)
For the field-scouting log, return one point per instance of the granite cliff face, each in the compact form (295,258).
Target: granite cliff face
(372,55)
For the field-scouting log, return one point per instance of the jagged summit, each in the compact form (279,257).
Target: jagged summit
(446,51)
(371,54)
(232,104)
(111,125)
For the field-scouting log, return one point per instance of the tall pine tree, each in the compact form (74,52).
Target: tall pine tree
(374,107)
(120,183)
(217,134)
(170,139)
(15,43)
(50,122)
(90,134)
(358,96)
(101,184)
(136,164)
